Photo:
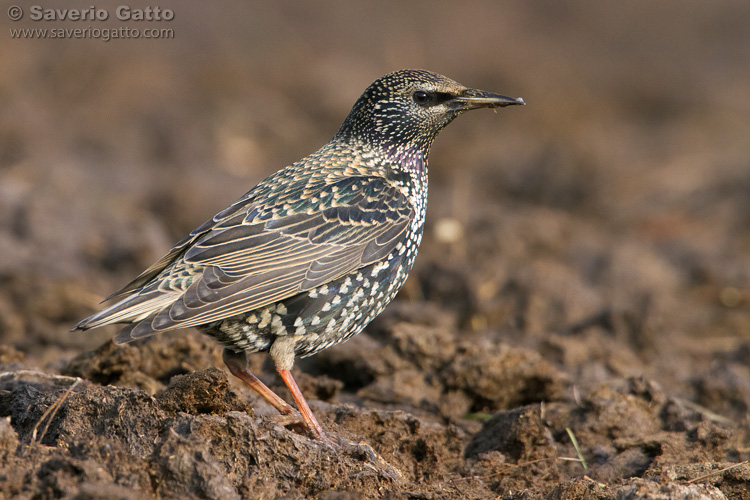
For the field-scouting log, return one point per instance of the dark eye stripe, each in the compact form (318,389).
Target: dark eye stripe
(426,98)
(442,97)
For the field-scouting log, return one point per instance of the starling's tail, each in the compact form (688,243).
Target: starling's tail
(134,310)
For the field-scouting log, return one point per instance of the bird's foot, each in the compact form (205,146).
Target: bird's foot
(365,453)
(292,420)
(358,451)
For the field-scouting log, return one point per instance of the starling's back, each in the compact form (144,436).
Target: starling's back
(317,250)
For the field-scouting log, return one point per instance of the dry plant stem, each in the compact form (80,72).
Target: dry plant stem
(50,413)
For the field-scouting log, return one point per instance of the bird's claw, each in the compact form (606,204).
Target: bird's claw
(293,420)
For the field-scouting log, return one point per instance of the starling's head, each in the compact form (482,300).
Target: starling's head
(409,107)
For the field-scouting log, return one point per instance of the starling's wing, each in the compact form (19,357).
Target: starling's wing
(254,254)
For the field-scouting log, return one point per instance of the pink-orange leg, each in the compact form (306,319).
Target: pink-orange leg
(313,427)
(237,364)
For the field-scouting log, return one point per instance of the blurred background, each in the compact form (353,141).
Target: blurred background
(605,224)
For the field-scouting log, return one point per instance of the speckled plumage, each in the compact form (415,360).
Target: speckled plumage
(313,253)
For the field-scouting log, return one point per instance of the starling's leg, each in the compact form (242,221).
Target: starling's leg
(312,423)
(282,353)
(237,364)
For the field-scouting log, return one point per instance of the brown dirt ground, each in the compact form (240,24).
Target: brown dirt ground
(584,272)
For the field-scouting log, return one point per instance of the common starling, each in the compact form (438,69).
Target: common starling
(313,253)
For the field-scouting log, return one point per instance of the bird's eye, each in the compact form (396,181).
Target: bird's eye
(421,97)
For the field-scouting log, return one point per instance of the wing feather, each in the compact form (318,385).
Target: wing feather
(256,253)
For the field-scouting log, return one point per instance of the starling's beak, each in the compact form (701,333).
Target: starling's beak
(473,99)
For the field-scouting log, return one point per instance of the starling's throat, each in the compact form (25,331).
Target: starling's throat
(409,159)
